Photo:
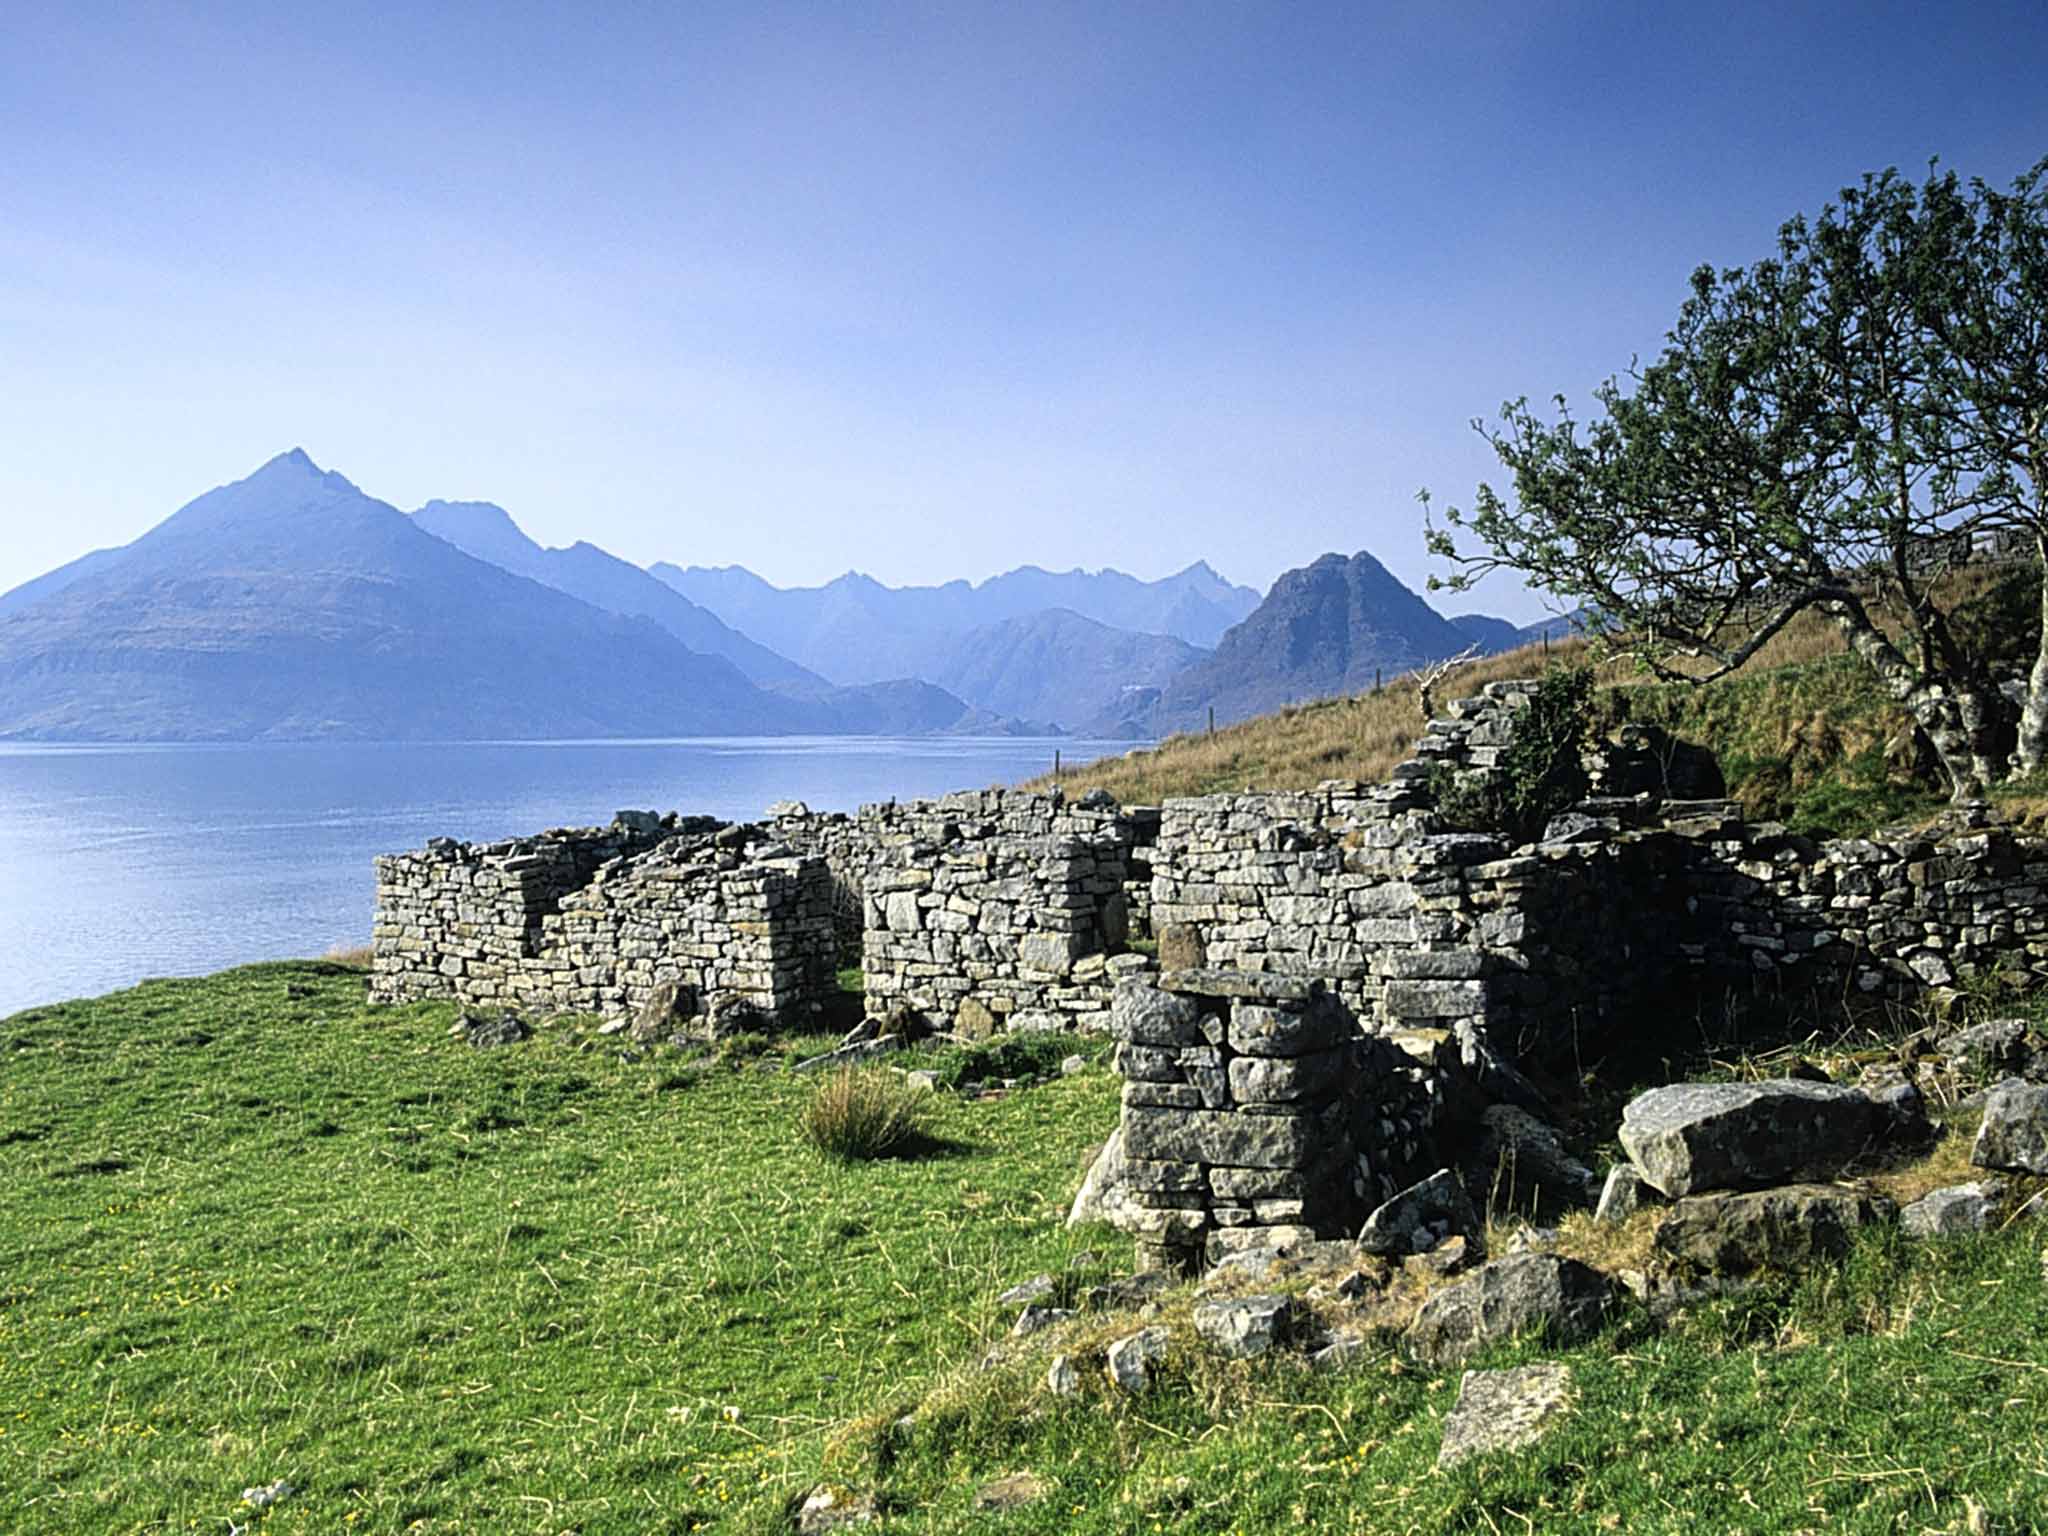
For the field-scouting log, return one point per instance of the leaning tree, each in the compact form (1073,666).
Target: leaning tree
(1830,430)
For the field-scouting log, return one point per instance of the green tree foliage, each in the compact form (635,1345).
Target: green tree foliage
(1828,429)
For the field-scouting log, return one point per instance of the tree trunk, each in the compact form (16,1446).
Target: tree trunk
(1960,725)
(2032,747)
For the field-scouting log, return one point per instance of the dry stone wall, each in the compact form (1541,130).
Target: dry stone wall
(594,921)
(996,910)
(1255,1113)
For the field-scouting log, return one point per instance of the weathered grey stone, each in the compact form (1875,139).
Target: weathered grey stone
(1739,1232)
(1243,1327)
(1534,1155)
(902,910)
(1316,1025)
(1526,1293)
(1287,1079)
(1950,1212)
(1035,1319)
(1103,1196)
(1997,1045)
(1131,1359)
(1503,1410)
(1051,952)
(972,1020)
(1621,1196)
(830,1509)
(1421,1216)
(1039,1288)
(1340,1352)
(1180,947)
(2014,1134)
(1700,1136)
(1219,1137)
(1061,1379)
(1143,1015)
(667,1010)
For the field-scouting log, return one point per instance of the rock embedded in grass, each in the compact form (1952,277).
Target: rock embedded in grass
(1247,1326)
(1740,1232)
(1503,1410)
(1951,1212)
(2014,1135)
(1422,1216)
(1528,1293)
(1622,1195)
(1130,1359)
(1691,1137)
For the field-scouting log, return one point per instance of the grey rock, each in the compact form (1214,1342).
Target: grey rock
(1422,1216)
(1339,1352)
(1180,947)
(1130,1359)
(1247,1326)
(1700,1136)
(1950,1212)
(1061,1379)
(1036,1319)
(2014,1134)
(1503,1410)
(500,1029)
(1622,1195)
(1536,1155)
(1072,1065)
(1104,1194)
(668,1008)
(1038,1288)
(1316,1025)
(1997,1045)
(828,1509)
(1527,1293)
(1731,1232)
(1220,1137)
(1141,1014)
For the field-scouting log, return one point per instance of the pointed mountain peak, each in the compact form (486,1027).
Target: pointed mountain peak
(296,464)
(480,528)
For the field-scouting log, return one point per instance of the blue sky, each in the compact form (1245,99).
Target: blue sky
(927,291)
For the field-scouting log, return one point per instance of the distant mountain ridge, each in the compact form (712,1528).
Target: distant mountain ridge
(1336,626)
(290,605)
(487,531)
(854,628)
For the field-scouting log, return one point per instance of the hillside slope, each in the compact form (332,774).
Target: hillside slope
(582,570)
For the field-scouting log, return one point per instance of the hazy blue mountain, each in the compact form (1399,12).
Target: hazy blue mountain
(1489,634)
(1329,628)
(50,583)
(487,531)
(854,629)
(1057,665)
(290,605)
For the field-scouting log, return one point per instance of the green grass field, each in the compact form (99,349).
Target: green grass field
(251,1230)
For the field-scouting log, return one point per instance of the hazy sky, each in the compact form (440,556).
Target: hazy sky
(926,291)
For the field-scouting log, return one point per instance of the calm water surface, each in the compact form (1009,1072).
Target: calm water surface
(125,862)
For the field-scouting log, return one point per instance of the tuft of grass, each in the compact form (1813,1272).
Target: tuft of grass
(356,957)
(857,1114)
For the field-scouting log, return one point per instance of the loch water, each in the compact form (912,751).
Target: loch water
(124,862)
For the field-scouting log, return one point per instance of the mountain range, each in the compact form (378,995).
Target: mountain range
(291,605)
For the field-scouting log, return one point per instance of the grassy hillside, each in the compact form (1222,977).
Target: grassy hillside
(253,1230)
(1803,734)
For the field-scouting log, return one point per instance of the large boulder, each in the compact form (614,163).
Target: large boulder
(2014,1134)
(1421,1216)
(1105,1194)
(1526,1293)
(1700,1136)
(1737,1233)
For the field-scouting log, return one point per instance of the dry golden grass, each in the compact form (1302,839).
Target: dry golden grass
(356,957)
(1361,737)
